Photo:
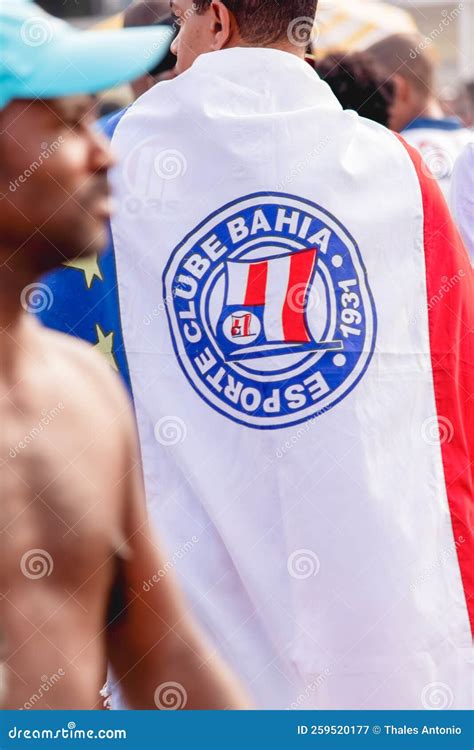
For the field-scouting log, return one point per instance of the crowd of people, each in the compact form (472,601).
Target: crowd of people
(269,504)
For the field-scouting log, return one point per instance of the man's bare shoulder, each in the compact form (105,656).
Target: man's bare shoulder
(95,428)
(76,361)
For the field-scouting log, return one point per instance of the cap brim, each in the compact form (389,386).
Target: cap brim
(90,61)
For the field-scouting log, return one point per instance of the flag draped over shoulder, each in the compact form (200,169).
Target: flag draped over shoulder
(297,312)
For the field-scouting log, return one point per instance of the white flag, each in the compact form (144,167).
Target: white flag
(297,315)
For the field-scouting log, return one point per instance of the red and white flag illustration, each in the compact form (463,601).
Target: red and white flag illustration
(281,287)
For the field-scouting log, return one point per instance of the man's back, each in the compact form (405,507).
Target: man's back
(290,384)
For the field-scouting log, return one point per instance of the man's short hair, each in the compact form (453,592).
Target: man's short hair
(359,83)
(409,56)
(264,22)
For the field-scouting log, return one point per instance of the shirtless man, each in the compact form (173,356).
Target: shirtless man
(75,545)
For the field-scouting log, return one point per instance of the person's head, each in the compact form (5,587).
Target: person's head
(53,163)
(359,84)
(408,60)
(211,25)
(53,175)
(150,13)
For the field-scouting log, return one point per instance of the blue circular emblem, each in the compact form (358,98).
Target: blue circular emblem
(270,311)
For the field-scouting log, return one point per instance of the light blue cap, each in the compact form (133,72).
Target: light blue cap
(44,57)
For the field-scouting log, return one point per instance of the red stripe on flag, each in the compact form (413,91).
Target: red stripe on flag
(256,284)
(451,324)
(293,314)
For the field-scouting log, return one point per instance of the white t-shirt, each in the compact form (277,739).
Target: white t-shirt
(440,142)
(462,196)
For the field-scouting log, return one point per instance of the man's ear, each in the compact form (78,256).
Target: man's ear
(402,88)
(222,24)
